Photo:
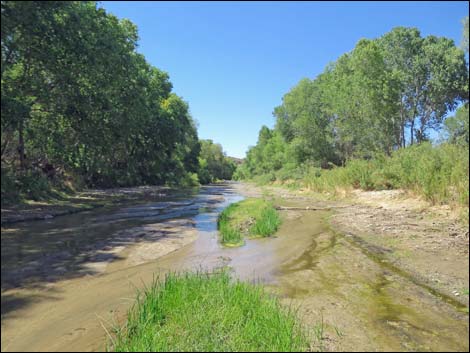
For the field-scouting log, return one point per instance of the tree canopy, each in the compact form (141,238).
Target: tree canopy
(387,93)
(77,97)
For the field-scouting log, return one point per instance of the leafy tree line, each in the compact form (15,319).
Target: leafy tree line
(78,101)
(213,163)
(386,94)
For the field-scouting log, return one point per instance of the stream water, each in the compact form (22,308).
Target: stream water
(67,280)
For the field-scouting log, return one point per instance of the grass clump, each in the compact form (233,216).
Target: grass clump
(440,174)
(251,217)
(208,312)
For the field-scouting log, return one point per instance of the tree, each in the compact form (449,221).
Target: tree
(76,95)
(303,122)
(384,94)
(213,163)
(457,128)
(432,78)
(465,35)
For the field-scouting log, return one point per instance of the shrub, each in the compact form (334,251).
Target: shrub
(439,173)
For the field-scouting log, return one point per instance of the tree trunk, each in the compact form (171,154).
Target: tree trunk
(403,140)
(5,143)
(412,131)
(21,145)
(402,127)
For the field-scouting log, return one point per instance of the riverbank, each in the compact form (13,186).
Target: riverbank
(391,271)
(349,294)
(58,274)
(30,210)
(430,242)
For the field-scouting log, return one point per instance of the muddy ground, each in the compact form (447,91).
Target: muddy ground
(428,241)
(29,210)
(388,256)
(374,271)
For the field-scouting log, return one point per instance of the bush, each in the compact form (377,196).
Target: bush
(10,191)
(34,185)
(359,173)
(189,179)
(439,173)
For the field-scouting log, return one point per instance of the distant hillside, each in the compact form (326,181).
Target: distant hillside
(236,160)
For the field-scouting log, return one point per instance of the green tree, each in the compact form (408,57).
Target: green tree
(432,76)
(465,34)
(78,97)
(213,163)
(304,123)
(368,103)
(457,128)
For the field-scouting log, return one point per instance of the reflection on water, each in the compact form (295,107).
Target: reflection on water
(377,306)
(37,252)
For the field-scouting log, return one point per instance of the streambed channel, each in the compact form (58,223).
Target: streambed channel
(66,280)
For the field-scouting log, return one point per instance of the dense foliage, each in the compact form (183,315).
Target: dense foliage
(213,163)
(386,94)
(78,101)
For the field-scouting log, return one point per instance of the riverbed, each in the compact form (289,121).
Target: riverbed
(66,281)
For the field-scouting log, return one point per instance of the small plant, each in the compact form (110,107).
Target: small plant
(267,223)
(251,218)
(319,333)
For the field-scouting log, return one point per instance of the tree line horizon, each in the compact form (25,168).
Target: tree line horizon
(80,104)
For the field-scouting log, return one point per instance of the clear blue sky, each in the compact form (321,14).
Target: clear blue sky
(233,61)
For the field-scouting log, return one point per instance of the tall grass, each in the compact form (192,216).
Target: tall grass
(229,235)
(208,312)
(250,217)
(438,173)
(266,224)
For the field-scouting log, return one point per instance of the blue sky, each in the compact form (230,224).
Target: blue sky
(233,61)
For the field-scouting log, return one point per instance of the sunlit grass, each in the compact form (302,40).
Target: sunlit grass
(440,174)
(250,217)
(208,312)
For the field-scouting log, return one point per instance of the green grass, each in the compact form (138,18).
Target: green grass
(251,217)
(440,174)
(208,312)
